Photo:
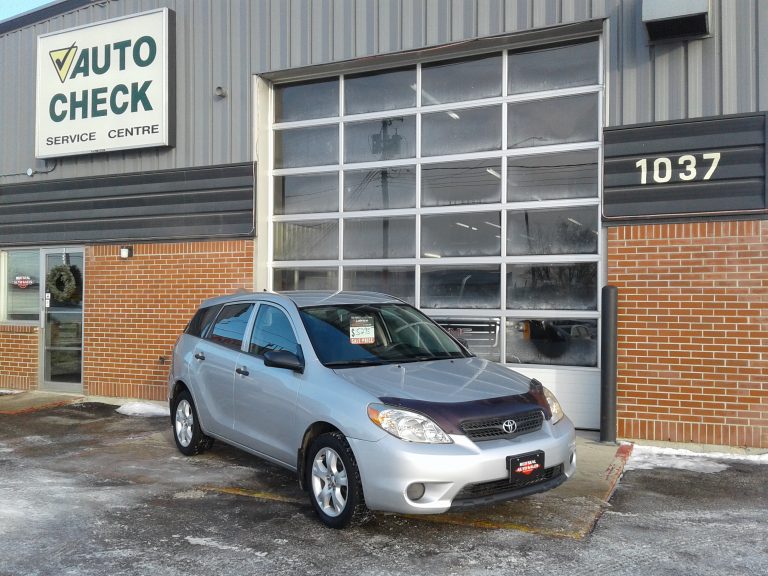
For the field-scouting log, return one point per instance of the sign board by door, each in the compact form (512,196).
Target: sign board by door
(106,86)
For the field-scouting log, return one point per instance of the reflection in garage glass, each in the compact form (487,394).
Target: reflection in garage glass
(552,287)
(571,342)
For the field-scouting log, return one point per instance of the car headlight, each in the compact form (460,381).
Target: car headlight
(554,406)
(406,425)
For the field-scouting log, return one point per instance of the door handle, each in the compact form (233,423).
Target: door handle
(242,371)
(200,356)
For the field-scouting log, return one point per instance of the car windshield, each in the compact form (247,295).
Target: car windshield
(345,336)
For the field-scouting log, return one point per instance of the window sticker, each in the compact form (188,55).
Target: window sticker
(361,330)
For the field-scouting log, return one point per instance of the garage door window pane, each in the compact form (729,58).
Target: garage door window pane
(552,121)
(473,182)
(560,342)
(312,240)
(480,334)
(298,147)
(461,131)
(306,194)
(460,287)
(457,80)
(307,100)
(380,91)
(380,188)
(554,68)
(397,281)
(566,231)
(375,140)
(552,286)
(471,234)
(306,279)
(552,176)
(380,237)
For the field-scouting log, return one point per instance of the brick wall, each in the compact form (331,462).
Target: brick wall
(693,331)
(18,357)
(135,308)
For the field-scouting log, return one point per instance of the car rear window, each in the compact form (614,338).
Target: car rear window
(202,320)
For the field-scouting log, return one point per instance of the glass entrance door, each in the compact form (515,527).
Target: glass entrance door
(62,320)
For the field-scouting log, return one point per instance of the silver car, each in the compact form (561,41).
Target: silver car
(372,404)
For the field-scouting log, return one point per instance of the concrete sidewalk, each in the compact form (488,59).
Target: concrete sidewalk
(569,511)
(12,402)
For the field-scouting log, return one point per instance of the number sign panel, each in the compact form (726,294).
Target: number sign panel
(691,168)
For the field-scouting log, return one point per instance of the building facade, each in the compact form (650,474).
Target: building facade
(495,163)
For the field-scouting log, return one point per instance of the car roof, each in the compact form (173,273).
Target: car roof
(304,298)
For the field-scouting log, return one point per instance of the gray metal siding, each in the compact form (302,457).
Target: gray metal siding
(169,204)
(224,42)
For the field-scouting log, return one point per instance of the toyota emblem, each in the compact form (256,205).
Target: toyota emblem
(509,426)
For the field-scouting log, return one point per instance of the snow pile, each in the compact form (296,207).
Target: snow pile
(6,392)
(145,409)
(648,457)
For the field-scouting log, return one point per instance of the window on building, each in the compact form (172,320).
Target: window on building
(20,290)
(468,187)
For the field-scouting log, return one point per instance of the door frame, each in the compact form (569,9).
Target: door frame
(43,384)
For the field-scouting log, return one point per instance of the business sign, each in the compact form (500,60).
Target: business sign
(691,168)
(106,86)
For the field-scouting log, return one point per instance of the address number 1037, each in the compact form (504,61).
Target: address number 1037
(686,168)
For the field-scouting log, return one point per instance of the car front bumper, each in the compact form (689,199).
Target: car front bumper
(475,472)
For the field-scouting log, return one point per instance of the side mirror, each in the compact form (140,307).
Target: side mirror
(284,359)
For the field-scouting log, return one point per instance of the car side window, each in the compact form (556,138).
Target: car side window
(272,331)
(230,325)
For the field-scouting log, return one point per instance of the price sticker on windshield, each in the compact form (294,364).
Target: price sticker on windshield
(361,330)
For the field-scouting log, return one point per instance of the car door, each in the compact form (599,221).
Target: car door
(213,369)
(265,397)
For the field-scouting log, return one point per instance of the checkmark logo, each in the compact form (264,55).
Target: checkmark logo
(62,60)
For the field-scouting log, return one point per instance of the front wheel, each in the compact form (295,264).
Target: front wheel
(187,433)
(333,478)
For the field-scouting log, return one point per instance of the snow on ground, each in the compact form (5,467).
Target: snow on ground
(647,457)
(145,409)
(3,391)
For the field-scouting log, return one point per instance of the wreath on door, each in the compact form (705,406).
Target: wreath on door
(61,283)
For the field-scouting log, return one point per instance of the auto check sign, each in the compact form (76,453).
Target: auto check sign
(104,86)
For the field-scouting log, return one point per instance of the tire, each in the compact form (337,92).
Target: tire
(333,481)
(187,433)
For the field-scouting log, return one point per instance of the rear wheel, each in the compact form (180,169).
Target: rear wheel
(334,483)
(187,433)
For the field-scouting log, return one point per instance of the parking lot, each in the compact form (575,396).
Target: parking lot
(85,490)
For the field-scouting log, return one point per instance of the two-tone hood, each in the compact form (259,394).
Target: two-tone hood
(451,391)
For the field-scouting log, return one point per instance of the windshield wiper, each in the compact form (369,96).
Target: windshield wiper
(350,363)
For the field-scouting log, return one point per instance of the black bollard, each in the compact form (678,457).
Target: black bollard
(608,363)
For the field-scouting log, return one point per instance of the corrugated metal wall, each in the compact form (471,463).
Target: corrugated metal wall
(222,42)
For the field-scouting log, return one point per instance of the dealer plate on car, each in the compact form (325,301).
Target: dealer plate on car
(526,466)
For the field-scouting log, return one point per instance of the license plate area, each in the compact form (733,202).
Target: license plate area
(525,466)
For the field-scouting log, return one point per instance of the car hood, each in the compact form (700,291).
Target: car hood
(451,391)
(458,380)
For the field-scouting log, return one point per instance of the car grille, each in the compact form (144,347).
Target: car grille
(492,428)
(486,489)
